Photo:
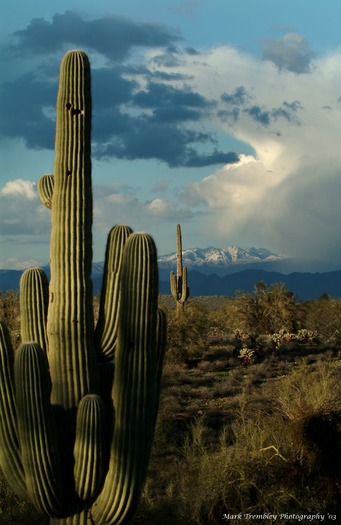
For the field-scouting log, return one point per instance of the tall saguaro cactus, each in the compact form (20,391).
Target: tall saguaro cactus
(178,282)
(75,438)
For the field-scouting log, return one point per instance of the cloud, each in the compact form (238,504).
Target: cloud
(185,111)
(166,209)
(112,36)
(21,213)
(119,203)
(284,196)
(239,97)
(13,263)
(145,138)
(143,108)
(23,105)
(290,52)
(162,95)
(235,188)
(240,101)
(19,188)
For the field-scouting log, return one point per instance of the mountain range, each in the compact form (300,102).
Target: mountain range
(216,271)
(222,261)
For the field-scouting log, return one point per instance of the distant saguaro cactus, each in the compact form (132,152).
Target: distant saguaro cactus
(78,405)
(178,282)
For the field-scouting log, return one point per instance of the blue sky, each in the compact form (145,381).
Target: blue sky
(224,116)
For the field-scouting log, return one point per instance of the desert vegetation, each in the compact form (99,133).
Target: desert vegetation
(249,422)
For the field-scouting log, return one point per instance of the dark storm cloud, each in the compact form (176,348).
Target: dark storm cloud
(239,97)
(162,131)
(287,111)
(290,52)
(175,115)
(239,100)
(24,103)
(145,138)
(217,157)
(163,95)
(264,116)
(110,89)
(259,115)
(169,59)
(114,37)
(151,120)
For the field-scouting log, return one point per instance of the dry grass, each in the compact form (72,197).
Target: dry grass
(269,448)
(232,438)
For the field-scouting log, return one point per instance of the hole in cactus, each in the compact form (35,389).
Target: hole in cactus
(69,173)
(74,111)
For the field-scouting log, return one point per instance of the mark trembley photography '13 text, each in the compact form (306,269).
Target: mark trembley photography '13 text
(313,518)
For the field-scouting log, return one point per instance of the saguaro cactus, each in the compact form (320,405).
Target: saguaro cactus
(178,282)
(75,438)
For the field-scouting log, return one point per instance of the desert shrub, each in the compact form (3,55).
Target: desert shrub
(187,333)
(10,313)
(268,309)
(279,454)
(247,356)
(302,337)
(324,317)
(228,317)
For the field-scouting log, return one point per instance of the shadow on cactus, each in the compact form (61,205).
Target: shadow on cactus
(78,404)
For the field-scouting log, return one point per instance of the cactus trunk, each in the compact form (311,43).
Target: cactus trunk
(70,316)
(178,281)
(77,427)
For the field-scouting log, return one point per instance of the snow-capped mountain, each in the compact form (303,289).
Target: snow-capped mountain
(218,260)
(206,261)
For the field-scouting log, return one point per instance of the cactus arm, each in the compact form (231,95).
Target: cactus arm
(173,285)
(34,292)
(89,448)
(10,460)
(136,383)
(70,321)
(184,288)
(37,432)
(45,189)
(107,326)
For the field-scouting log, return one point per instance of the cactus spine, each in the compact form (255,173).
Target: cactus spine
(178,282)
(75,437)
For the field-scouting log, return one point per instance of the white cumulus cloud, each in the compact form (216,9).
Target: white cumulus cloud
(285,196)
(19,188)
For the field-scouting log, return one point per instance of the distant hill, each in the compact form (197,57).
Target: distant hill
(216,271)
(303,285)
